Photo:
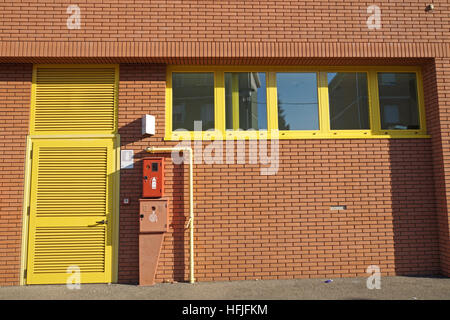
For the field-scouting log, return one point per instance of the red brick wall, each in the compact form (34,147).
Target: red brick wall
(252,226)
(233,224)
(15,90)
(189,30)
(141,91)
(439,103)
(224,21)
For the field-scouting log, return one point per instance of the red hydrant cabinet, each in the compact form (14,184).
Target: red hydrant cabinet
(153,217)
(153,178)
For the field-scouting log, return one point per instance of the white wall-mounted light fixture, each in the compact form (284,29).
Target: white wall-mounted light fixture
(429,7)
(148,124)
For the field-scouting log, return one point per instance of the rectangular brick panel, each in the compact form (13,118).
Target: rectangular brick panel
(225,21)
(15,90)
(438,100)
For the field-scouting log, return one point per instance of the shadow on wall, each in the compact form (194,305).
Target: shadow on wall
(416,244)
(131,132)
(178,223)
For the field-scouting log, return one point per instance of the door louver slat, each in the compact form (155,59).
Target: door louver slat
(74,99)
(57,248)
(86,169)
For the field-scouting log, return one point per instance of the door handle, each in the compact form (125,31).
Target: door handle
(102,222)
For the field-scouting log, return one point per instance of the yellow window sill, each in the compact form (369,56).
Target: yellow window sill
(283,135)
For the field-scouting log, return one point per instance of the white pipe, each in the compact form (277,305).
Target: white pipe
(191,201)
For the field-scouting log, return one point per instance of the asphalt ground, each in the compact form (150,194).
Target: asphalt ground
(391,288)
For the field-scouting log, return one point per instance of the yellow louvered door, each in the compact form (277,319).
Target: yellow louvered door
(71,188)
(73,129)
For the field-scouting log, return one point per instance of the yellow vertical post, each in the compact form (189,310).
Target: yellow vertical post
(191,214)
(421,101)
(323,103)
(235,99)
(272,102)
(168,115)
(374,103)
(219,101)
(25,217)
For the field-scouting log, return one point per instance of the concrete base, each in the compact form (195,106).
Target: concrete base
(149,250)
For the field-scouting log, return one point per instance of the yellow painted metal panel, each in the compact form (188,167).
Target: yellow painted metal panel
(272,102)
(114,225)
(374,102)
(219,98)
(74,99)
(25,211)
(168,113)
(421,102)
(72,188)
(324,108)
(235,100)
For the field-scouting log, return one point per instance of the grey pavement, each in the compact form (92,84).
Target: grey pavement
(392,288)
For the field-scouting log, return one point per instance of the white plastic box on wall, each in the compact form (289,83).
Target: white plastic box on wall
(148,124)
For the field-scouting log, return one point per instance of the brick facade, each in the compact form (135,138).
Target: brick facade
(250,226)
(225,21)
(441,157)
(15,89)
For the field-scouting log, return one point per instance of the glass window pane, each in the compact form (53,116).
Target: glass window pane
(349,105)
(297,101)
(398,101)
(192,100)
(245,100)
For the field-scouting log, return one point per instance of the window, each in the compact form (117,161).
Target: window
(293,102)
(193,100)
(399,109)
(245,100)
(298,107)
(348,100)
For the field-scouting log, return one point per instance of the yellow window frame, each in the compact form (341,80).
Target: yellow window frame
(324,132)
(219,108)
(235,133)
(301,134)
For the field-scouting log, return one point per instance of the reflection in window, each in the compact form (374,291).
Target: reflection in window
(398,101)
(245,100)
(193,100)
(297,101)
(348,99)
